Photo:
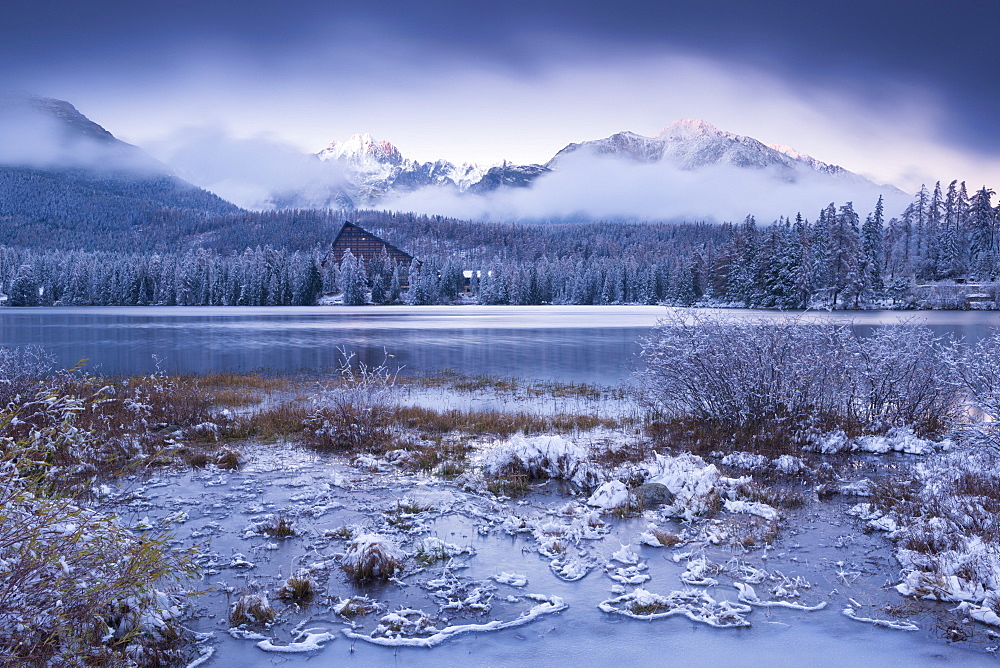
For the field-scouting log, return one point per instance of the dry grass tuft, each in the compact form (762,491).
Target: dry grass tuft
(298,589)
(665,538)
(252,609)
(370,557)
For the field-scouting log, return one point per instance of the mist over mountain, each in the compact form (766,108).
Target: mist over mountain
(690,170)
(60,170)
(64,180)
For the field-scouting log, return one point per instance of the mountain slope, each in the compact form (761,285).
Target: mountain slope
(67,182)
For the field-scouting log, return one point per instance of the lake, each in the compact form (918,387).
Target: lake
(594,344)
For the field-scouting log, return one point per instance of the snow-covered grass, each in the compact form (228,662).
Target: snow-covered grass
(372,557)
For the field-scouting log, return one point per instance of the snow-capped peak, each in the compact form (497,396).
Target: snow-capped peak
(689,128)
(362,149)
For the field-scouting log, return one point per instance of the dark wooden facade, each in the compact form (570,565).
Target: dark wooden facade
(365,245)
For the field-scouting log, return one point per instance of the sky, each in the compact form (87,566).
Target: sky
(900,91)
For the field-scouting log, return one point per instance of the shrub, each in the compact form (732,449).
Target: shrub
(355,412)
(766,383)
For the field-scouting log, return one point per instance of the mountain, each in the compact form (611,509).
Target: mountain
(375,172)
(694,144)
(63,178)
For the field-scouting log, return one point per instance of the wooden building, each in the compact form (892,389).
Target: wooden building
(365,245)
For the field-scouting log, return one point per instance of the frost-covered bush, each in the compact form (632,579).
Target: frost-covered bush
(535,457)
(355,412)
(524,458)
(76,587)
(944,522)
(977,368)
(21,369)
(793,377)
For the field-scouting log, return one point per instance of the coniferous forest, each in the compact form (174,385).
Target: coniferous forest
(841,257)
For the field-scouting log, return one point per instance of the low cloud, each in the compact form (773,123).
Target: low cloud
(254,172)
(600,188)
(30,137)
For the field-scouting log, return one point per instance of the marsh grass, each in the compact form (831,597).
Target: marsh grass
(509,484)
(252,608)
(648,609)
(775,496)
(299,589)
(278,526)
(665,538)
(370,558)
(280,421)
(494,422)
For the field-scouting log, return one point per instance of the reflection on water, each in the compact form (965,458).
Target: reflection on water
(596,344)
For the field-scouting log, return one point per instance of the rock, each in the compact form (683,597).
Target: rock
(653,494)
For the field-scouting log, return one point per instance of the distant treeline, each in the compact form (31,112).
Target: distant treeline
(278,258)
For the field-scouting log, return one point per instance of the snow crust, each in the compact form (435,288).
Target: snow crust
(311,641)
(610,495)
(697,606)
(694,484)
(399,629)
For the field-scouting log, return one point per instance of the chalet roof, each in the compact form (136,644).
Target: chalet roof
(350,228)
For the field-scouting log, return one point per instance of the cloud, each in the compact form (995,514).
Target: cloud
(250,172)
(602,188)
(33,138)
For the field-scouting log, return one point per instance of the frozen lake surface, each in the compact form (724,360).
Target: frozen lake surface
(839,565)
(593,344)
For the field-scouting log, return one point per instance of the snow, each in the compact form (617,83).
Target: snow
(693,483)
(511,579)
(850,613)
(899,439)
(745,460)
(548,456)
(751,508)
(748,595)
(980,613)
(610,495)
(698,571)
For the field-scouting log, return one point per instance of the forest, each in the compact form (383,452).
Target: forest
(834,260)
